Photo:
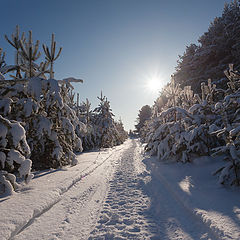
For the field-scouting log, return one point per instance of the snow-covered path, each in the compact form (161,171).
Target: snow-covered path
(132,211)
(122,216)
(117,194)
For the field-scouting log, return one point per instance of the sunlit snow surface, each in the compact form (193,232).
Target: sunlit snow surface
(186,184)
(120,193)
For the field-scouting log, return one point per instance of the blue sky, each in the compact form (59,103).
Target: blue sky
(116,46)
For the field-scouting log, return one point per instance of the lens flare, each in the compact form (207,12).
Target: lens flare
(154,84)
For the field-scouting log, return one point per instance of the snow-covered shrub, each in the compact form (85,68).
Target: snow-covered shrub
(51,125)
(14,153)
(105,123)
(182,127)
(172,142)
(173,93)
(230,172)
(100,128)
(229,130)
(179,137)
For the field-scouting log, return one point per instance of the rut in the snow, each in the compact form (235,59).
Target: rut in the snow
(138,206)
(122,216)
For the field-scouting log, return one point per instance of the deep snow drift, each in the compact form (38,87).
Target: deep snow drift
(120,193)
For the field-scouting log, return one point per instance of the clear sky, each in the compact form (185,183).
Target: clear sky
(117,46)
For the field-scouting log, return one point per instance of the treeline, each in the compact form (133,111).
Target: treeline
(42,125)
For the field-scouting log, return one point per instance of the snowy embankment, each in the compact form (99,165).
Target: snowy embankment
(196,189)
(120,193)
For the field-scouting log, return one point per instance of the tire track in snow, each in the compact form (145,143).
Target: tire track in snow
(62,191)
(122,216)
(134,209)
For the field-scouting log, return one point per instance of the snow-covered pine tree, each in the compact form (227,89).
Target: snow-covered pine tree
(169,136)
(44,106)
(87,116)
(106,131)
(123,135)
(14,153)
(229,130)
(52,134)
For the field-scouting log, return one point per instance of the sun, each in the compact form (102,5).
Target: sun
(153,81)
(154,84)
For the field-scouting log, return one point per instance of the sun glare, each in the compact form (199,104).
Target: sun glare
(154,84)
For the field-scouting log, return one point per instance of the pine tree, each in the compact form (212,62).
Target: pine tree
(106,130)
(144,114)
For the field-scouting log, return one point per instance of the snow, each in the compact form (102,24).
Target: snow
(25,168)
(47,189)
(54,93)
(68,81)
(121,193)
(71,79)
(67,125)
(6,105)
(18,135)
(29,106)
(16,156)
(35,87)
(7,185)
(186,184)
(195,188)
(44,126)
